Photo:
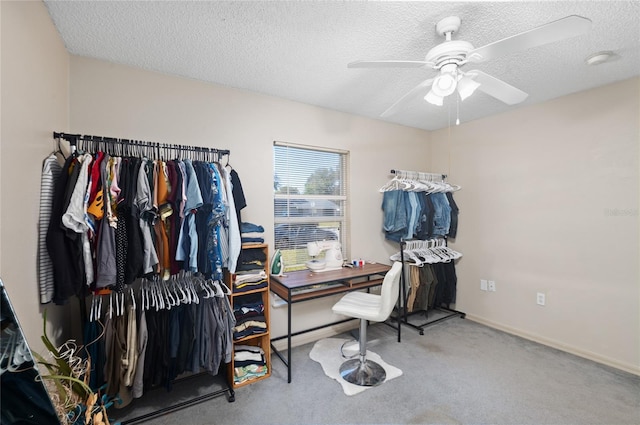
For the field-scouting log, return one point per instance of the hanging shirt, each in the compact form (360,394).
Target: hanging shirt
(235,244)
(188,231)
(67,271)
(144,202)
(106,244)
(74,218)
(50,173)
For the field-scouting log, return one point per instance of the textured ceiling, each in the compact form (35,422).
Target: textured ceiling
(300,50)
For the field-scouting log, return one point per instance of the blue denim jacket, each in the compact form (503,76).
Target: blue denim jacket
(397,211)
(442,215)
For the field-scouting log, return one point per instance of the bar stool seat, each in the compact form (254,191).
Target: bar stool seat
(374,308)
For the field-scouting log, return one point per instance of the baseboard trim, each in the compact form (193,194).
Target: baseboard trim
(308,337)
(634,369)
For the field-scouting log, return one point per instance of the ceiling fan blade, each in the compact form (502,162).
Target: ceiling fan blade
(407,97)
(561,29)
(389,64)
(497,88)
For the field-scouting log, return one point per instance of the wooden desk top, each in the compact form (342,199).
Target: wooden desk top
(303,278)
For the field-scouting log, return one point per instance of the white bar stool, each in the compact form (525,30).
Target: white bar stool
(374,308)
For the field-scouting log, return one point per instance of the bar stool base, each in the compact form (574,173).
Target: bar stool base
(364,374)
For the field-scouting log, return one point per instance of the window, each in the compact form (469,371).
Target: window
(309,200)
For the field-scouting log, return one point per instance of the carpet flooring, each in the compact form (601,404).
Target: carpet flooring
(458,372)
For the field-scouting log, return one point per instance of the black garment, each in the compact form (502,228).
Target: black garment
(252,255)
(173,342)
(238,194)
(203,215)
(162,369)
(95,349)
(134,257)
(239,200)
(422,226)
(445,293)
(431,212)
(121,250)
(187,337)
(65,253)
(151,354)
(453,227)
(156,362)
(449,296)
(175,200)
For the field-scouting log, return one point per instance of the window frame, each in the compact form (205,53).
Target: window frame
(343,219)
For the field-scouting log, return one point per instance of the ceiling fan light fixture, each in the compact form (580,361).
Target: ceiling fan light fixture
(466,87)
(445,84)
(433,98)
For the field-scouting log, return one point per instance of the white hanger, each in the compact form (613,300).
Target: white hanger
(225,288)
(194,293)
(122,309)
(133,299)
(92,308)
(21,354)
(6,357)
(393,184)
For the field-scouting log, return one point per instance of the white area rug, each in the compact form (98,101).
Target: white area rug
(327,353)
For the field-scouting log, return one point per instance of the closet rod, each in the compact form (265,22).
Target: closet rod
(444,176)
(73,141)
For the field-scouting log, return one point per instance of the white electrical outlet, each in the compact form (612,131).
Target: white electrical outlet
(541,299)
(492,286)
(483,285)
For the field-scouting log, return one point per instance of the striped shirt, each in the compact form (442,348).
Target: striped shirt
(50,173)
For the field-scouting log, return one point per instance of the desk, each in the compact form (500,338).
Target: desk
(306,285)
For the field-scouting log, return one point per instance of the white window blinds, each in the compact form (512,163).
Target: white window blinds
(310,199)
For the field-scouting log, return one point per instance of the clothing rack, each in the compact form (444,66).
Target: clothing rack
(404,319)
(137,147)
(418,174)
(152,150)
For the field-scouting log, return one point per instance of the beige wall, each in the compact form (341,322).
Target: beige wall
(550,204)
(35,101)
(113,100)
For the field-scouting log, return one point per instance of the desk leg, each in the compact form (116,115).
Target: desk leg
(289,341)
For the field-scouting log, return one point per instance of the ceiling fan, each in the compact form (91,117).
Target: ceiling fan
(449,56)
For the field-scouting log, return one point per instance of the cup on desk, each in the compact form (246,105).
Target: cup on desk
(358,263)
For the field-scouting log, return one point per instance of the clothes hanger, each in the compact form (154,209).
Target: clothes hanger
(58,148)
(92,307)
(157,296)
(5,357)
(181,296)
(21,354)
(217,289)
(144,296)
(393,184)
(226,289)
(121,297)
(133,299)
(195,298)
(183,287)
